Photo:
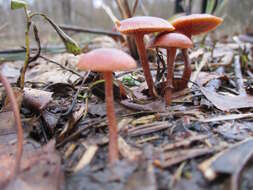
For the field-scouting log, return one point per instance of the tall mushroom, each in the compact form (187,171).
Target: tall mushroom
(108,60)
(138,27)
(193,25)
(170,41)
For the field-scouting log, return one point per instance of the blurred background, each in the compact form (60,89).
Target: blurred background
(238,16)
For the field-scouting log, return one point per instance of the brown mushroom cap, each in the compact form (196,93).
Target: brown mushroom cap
(167,40)
(196,23)
(144,24)
(106,60)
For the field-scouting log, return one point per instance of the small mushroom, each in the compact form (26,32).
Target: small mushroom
(138,27)
(193,25)
(170,41)
(108,60)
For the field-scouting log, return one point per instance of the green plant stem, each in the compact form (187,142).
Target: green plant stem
(27,54)
(70,44)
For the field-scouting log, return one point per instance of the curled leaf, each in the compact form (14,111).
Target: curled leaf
(18,4)
(71,45)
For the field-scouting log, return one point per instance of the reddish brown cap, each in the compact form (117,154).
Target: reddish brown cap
(144,24)
(167,40)
(196,23)
(106,60)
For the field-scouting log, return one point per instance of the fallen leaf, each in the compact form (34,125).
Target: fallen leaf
(205,77)
(39,170)
(7,123)
(226,102)
(228,161)
(37,99)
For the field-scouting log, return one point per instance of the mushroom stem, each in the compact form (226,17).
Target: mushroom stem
(171,54)
(113,133)
(187,70)
(143,57)
(15,109)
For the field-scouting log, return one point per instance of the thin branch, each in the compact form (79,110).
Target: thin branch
(92,31)
(135,7)
(37,39)
(109,12)
(27,54)
(69,111)
(60,65)
(238,74)
(124,8)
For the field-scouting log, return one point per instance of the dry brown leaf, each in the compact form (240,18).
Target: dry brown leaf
(39,170)
(227,161)
(37,99)
(226,102)
(205,77)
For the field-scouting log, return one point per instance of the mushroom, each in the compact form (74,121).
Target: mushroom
(138,27)
(193,25)
(170,41)
(108,60)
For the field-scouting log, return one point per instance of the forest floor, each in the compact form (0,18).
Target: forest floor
(203,140)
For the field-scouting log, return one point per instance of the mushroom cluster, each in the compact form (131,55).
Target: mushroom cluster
(176,34)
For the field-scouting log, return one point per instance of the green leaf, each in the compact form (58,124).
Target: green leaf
(18,4)
(129,81)
(70,44)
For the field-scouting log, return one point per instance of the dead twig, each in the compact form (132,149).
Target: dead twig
(92,31)
(126,13)
(69,111)
(176,157)
(124,8)
(37,39)
(238,74)
(184,143)
(86,126)
(135,7)
(148,128)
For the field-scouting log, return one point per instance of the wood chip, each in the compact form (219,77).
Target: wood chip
(127,151)
(86,158)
